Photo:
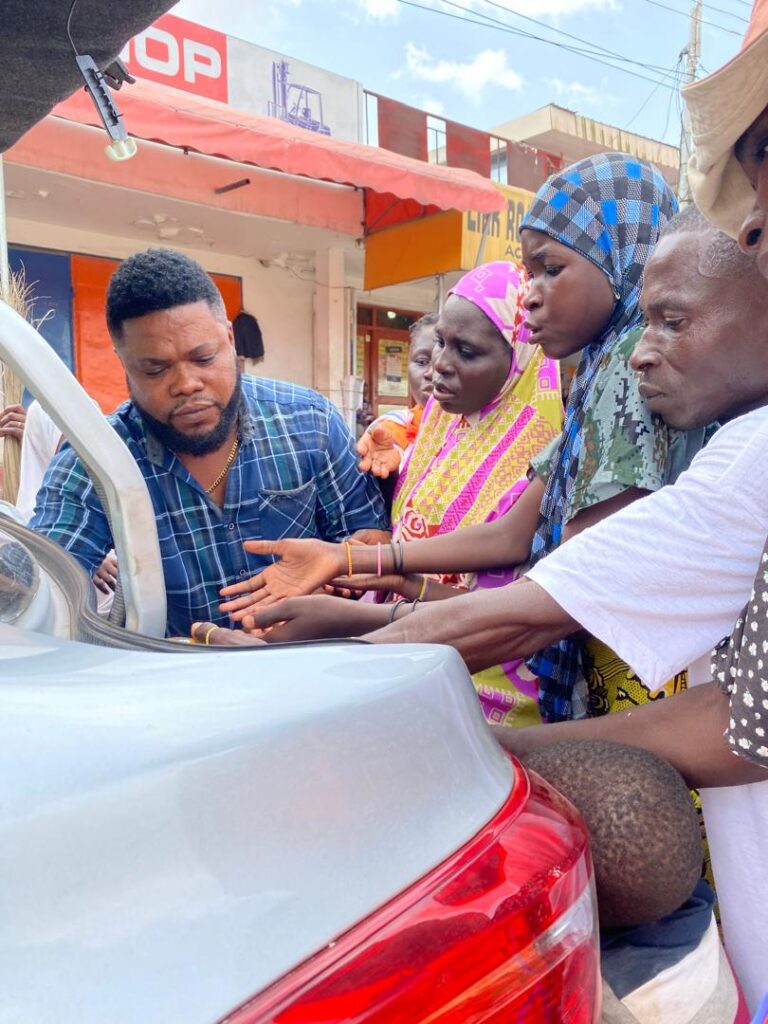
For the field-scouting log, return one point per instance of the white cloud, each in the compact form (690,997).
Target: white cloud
(542,8)
(469,77)
(432,106)
(238,19)
(379,9)
(578,95)
(382,9)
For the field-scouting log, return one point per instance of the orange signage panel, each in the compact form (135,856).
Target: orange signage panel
(414,249)
(98,368)
(445,242)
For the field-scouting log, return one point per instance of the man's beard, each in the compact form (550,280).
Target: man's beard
(194,444)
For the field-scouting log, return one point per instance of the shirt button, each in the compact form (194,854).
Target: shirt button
(231,526)
(242,572)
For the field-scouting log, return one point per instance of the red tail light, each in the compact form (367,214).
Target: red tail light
(504,932)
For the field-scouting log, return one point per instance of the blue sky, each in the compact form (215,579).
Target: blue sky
(482,75)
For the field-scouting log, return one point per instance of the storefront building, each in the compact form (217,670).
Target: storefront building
(247,161)
(334,216)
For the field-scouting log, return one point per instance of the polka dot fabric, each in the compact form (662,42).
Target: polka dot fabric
(740,667)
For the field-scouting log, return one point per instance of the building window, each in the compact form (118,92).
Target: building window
(499,160)
(381,356)
(436,140)
(371,119)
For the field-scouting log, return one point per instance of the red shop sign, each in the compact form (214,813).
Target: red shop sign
(182,54)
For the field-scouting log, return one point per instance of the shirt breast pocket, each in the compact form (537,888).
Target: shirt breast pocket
(289,513)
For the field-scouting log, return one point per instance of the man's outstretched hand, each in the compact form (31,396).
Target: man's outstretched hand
(303,567)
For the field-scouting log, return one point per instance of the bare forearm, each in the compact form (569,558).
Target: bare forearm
(359,617)
(686,730)
(503,542)
(486,627)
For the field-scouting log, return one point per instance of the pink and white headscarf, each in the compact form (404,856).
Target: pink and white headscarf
(498,290)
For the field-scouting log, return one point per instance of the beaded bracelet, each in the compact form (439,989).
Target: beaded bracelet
(395,606)
(348,546)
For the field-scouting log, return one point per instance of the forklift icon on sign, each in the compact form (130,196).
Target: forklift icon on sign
(294,103)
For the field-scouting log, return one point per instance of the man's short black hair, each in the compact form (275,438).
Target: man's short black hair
(644,832)
(154,280)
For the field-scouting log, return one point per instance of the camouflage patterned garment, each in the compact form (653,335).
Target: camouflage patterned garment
(623,445)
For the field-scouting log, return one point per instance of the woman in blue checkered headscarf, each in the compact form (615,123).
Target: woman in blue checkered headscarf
(609,209)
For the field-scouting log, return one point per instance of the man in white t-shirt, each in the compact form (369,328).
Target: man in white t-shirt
(665,579)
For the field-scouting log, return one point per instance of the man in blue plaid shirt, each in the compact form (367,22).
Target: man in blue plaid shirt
(227,458)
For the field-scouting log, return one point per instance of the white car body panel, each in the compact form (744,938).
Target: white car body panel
(178,831)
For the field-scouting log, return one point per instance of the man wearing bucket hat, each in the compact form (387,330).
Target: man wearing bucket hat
(724,109)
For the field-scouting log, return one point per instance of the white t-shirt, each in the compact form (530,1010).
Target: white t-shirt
(38,446)
(662,582)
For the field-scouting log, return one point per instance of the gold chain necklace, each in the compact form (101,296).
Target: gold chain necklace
(227,464)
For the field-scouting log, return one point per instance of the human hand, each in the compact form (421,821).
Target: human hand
(207,633)
(303,567)
(312,618)
(378,453)
(12,421)
(105,577)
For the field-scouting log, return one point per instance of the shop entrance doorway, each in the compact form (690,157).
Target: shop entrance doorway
(381,357)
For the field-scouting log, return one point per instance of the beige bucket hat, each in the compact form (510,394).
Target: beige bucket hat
(722,106)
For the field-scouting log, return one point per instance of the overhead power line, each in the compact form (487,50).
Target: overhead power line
(500,26)
(676,70)
(686,15)
(723,10)
(567,35)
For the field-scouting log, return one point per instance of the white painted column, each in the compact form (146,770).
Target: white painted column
(331,328)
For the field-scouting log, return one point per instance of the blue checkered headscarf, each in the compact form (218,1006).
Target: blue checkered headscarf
(610,209)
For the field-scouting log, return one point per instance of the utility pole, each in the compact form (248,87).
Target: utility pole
(693,52)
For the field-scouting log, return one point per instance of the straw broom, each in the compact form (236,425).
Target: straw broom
(19,296)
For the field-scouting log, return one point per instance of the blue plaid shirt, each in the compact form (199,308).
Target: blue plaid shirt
(295,475)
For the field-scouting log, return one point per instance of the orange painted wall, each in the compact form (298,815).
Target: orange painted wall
(97,367)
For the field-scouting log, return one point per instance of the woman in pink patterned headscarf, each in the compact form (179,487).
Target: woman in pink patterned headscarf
(496,403)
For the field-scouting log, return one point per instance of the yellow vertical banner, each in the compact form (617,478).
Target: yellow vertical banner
(486,237)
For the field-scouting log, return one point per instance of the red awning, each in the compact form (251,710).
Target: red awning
(159,114)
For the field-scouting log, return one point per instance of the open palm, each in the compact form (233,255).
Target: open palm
(303,567)
(378,453)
